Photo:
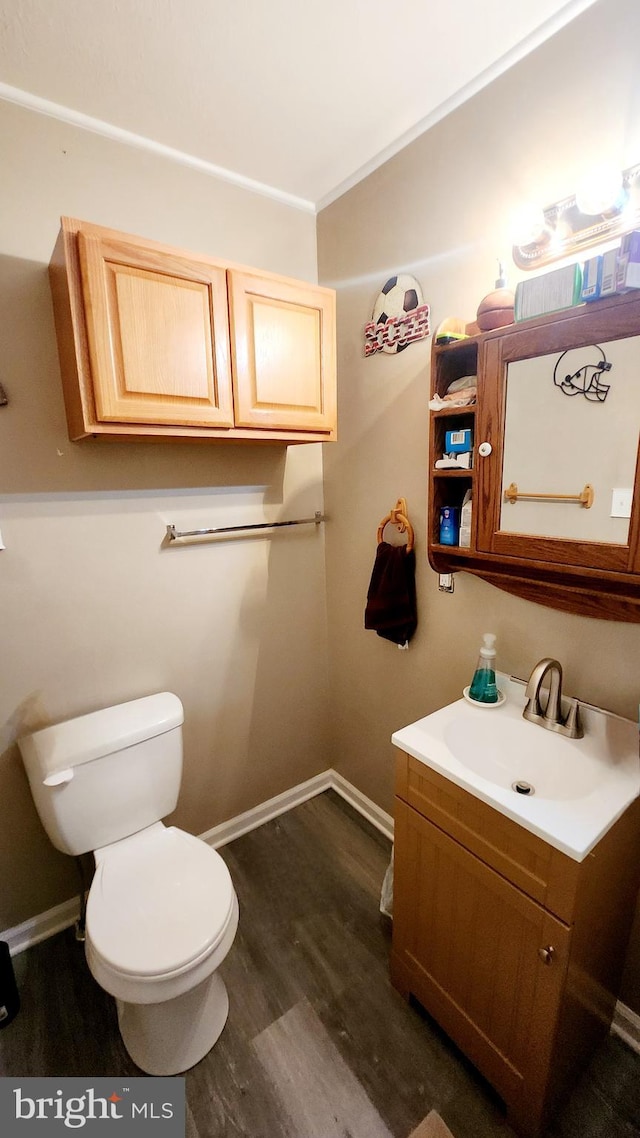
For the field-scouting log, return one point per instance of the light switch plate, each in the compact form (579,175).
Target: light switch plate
(621,502)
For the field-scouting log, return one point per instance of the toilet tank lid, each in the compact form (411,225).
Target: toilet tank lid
(99,733)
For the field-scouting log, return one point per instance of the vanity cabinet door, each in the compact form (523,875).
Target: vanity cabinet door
(470,946)
(158,335)
(283,352)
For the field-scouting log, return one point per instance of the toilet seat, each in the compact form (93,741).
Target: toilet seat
(161,902)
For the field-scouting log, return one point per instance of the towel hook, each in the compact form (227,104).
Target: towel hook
(398,517)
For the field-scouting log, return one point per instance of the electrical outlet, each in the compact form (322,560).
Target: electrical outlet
(445,582)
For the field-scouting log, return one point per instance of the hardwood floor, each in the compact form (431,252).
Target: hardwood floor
(318,1044)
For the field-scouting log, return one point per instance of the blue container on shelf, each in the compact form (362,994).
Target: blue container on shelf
(449,525)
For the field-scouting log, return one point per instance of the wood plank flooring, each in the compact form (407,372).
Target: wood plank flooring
(318,1044)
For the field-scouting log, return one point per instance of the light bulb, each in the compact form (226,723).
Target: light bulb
(529,227)
(601,192)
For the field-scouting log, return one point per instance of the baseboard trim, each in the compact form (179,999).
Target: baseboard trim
(61,917)
(272,808)
(626,1024)
(365,806)
(42,926)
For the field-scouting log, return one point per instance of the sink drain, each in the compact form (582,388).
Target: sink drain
(523,787)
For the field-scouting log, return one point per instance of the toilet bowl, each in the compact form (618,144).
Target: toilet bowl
(161,916)
(162,912)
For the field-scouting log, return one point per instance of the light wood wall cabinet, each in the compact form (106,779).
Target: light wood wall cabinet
(513,947)
(157,342)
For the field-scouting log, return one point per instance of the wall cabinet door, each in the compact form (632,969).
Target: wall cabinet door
(157,328)
(470,943)
(283,352)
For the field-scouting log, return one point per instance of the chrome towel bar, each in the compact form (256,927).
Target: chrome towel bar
(176,535)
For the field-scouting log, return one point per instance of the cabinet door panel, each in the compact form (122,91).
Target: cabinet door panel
(158,335)
(283,345)
(516,345)
(470,942)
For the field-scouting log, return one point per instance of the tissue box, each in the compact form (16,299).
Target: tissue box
(628,267)
(609,264)
(591,278)
(599,276)
(464,534)
(455,442)
(548,293)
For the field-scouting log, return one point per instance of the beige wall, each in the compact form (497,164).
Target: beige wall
(93,611)
(440,209)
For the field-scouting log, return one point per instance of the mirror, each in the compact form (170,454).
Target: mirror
(571,423)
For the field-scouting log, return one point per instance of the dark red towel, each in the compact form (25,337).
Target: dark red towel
(391,600)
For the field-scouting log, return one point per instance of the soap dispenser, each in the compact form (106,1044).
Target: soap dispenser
(483,687)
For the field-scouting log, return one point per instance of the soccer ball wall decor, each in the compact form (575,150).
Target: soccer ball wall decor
(399,316)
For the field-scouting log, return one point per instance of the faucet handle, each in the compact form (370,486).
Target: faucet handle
(572,725)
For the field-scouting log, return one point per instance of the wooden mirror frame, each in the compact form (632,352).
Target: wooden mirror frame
(590,578)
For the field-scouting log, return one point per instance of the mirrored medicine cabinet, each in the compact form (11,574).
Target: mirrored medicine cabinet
(554,475)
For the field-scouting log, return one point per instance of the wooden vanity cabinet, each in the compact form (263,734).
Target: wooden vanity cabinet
(514,948)
(155,342)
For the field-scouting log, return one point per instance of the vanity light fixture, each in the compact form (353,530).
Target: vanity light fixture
(606,205)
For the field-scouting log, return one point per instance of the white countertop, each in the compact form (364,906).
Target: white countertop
(588,782)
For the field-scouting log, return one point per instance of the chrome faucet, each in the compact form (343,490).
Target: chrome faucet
(551,716)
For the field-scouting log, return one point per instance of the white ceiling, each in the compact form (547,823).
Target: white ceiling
(303,97)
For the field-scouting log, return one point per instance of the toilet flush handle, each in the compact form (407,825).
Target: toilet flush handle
(59,777)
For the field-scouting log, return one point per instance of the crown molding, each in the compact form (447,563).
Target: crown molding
(555,23)
(128,138)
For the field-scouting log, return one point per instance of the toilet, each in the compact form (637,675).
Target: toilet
(162,912)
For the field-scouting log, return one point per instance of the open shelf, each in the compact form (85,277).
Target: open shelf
(453,473)
(449,412)
(449,362)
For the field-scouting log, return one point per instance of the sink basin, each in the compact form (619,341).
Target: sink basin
(567,791)
(510,751)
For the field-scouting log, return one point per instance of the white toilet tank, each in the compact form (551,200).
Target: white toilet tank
(108,774)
